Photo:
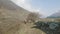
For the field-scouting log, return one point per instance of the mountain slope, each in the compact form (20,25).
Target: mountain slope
(12,17)
(9,5)
(12,9)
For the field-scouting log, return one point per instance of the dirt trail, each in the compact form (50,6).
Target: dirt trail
(26,29)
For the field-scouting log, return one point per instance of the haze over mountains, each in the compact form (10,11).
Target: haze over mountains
(55,15)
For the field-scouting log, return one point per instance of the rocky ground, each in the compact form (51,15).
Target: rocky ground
(48,27)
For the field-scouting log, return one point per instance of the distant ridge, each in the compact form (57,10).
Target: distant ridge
(55,15)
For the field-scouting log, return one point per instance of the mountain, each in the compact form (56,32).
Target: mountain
(11,9)
(9,5)
(55,15)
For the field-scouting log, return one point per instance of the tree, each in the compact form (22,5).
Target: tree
(32,17)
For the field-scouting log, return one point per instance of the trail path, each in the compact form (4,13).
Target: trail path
(26,29)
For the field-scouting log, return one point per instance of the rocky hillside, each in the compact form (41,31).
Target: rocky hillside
(11,9)
(12,23)
(12,17)
(9,5)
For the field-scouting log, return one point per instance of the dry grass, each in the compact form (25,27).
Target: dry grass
(9,26)
(10,23)
(11,20)
(27,29)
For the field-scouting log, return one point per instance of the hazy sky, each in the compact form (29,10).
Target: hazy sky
(46,7)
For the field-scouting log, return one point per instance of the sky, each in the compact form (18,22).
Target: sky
(44,7)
